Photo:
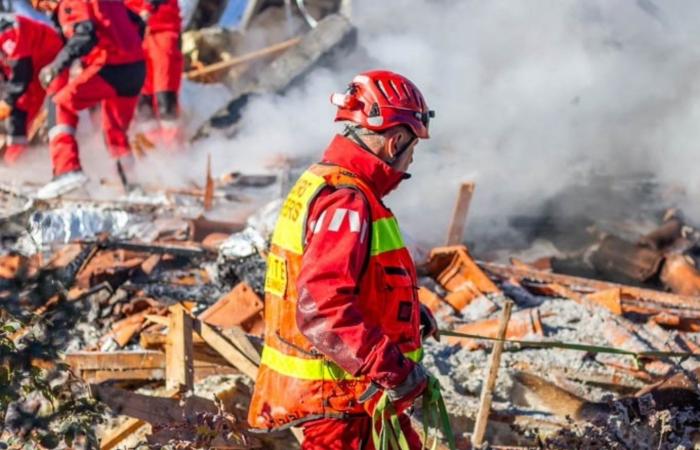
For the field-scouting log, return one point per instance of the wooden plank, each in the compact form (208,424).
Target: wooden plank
(101,375)
(459,214)
(240,339)
(115,360)
(252,56)
(163,409)
(113,437)
(179,352)
(230,352)
(208,365)
(160,320)
(208,186)
(487,390)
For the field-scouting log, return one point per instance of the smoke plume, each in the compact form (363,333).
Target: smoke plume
(531,99)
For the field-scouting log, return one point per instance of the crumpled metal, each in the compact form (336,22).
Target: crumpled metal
(255,237)
(63,225)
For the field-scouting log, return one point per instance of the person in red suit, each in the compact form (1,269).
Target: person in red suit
(106,37)
(164,65)
(343,324)
(26,46)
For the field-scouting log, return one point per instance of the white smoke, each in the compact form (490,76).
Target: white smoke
(530,98)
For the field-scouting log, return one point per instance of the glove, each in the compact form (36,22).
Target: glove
(428,324)
(47,75)
(401,396)
(5,110)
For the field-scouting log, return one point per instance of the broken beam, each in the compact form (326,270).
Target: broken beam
(230,352)
(179,372)
(487,390)
(187,251)
(459,215)
(585,285)
(252,56)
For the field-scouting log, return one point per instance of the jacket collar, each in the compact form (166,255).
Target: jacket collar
(370,168)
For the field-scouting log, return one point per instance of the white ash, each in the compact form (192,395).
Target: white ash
(461,372)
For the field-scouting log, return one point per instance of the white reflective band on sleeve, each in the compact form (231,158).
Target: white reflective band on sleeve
(319,223)
(337,219)
(354,218)
(61,129)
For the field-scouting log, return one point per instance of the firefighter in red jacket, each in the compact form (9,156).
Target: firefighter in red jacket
(106,37)
(26,46)
(343,325)
(164,64)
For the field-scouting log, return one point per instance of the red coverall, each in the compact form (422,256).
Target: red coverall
(106,36)
(339,255)
(164,60)
(26,46)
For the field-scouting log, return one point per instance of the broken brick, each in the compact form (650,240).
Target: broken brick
(457,272)
(430,299)
(233,309)
(680,275)
(610,299)
(523,323)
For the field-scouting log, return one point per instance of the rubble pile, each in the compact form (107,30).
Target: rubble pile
(142,281)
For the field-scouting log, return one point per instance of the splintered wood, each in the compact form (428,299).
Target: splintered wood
(459,215)
(178,352)
(490,383)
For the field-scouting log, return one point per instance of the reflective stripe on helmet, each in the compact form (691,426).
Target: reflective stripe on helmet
(313,369)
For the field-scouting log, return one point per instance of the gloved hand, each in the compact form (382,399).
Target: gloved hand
(5,110)
(46,75)
(401,396)
(428,324)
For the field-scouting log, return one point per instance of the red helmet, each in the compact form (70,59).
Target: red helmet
(378,100)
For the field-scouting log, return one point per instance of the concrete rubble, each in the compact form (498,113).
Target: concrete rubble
(214,271)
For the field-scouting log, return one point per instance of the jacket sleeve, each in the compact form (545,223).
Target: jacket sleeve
(78,29)
(83,40)
(337,248)
(18,82)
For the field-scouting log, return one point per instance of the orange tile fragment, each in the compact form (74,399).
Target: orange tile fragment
(521,324)
(12,266)
(610,299)
(680,275)
(430,299)
(457,272)
(234,308)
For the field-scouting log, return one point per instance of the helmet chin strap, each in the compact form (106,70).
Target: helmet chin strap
(350,132)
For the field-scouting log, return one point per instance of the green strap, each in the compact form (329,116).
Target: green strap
(386,428)
(575,346)
(435,415)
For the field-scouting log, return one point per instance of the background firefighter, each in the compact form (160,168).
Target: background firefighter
(342,317)
(159,105)
(26,46)
(106,36)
